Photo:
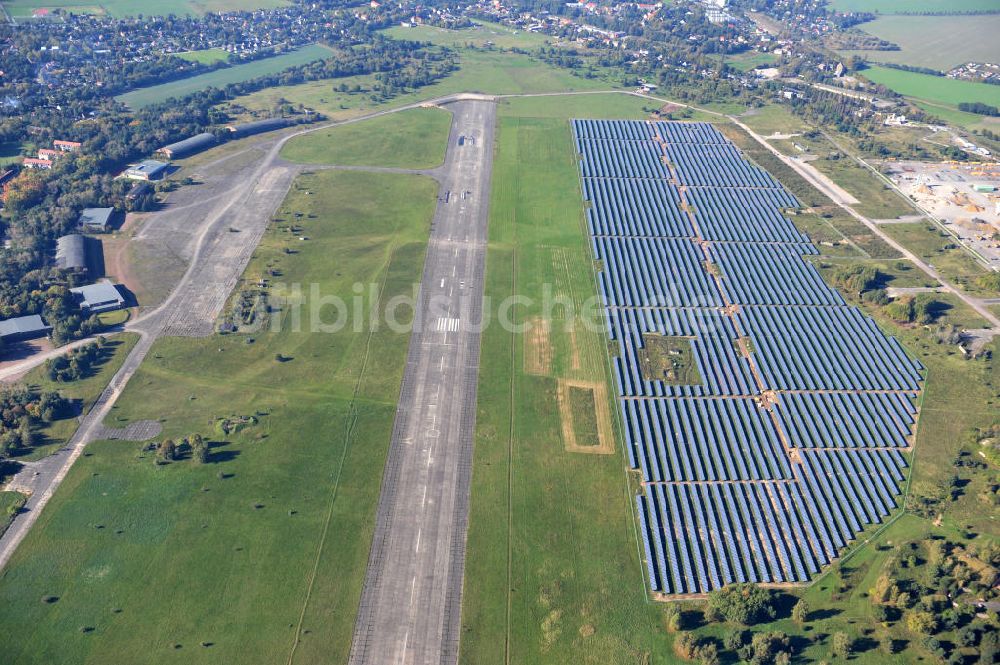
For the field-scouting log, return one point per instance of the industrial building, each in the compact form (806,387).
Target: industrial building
(23,327)
(96,220)
(188,146)
(257,127)
(99,297)
(71,252)
(150,169)
(80,253)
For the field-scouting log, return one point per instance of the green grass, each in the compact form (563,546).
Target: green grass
(10,504)
(744,62)
(206,56)
(773,118)
(934,88)
(483,34)
(114,318)
(599,105)
(491,72)
(942,251)
(414,139)
(576,588)
(82,392)
(222,77)
(120,8)
(224,553)
(938,42)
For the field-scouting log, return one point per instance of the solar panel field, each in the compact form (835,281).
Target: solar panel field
(793,436)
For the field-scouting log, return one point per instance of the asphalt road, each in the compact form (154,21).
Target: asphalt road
(410,608)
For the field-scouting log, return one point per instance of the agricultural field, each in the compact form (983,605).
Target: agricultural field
(413,139)
(940,89)
(912,6)
(207,56)
(21,9)
(937,42)
(222,77)
(261,549)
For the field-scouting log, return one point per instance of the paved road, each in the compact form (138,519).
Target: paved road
(410,607)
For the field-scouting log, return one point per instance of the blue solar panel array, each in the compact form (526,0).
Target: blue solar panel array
(792,440)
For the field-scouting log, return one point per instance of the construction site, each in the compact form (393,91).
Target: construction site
(965,198)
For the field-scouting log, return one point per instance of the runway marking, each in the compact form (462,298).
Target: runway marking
(447,324)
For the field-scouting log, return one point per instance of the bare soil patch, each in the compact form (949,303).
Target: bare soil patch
(538,347)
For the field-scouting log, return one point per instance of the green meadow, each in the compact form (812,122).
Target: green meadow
(258,555)
(219,78)
(415,139)
(207,56)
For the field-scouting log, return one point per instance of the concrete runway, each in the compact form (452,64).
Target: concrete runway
(410,608)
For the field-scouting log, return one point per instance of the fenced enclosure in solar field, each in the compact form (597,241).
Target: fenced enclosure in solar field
(794,437)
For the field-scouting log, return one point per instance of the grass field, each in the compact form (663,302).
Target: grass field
(744,62)
(119,8)
(934,88)
(942,251)
(207,56)
(483,34)
(222,77)
(479,71)
(938,42)
(414,139)
(264,547)
(575,591)
(912,6)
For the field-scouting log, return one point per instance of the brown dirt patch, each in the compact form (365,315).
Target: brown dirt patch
(15,352)
(538,347)
(574,350)
(602,415)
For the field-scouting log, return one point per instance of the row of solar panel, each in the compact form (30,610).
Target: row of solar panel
(685,439)
(725,503)
(641,208)
(701,536)
(666,132)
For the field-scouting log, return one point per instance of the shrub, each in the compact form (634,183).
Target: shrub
(800,613)
(685,645)
(921,622)
(841,645)
(746,604)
